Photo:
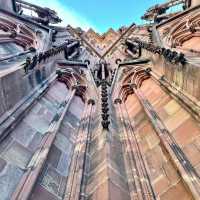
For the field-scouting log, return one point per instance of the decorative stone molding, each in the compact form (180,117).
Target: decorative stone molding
(16,32)
(169,55)
(105,106)
(133,80)
(73,81)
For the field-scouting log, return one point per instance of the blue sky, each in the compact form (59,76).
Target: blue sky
(99,14)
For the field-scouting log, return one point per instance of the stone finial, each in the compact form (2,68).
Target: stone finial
(148,70)
(87,62)
(91,101)
(118,100)
(117,61)
(105,124)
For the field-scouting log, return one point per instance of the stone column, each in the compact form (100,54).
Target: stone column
(138,179)
(86,163)
(75,189)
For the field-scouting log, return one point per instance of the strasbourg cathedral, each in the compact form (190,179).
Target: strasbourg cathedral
(85,116)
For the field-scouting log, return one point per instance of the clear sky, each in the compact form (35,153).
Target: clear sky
(99,14)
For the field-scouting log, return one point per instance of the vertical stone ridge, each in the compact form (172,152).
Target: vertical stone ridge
(104,175)
(138,179)
(76,168)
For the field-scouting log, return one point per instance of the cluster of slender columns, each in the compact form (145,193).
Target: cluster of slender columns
(77,181)
(137,163)
(137,172)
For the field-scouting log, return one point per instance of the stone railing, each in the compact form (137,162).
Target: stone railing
(169,55)
(70,49)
